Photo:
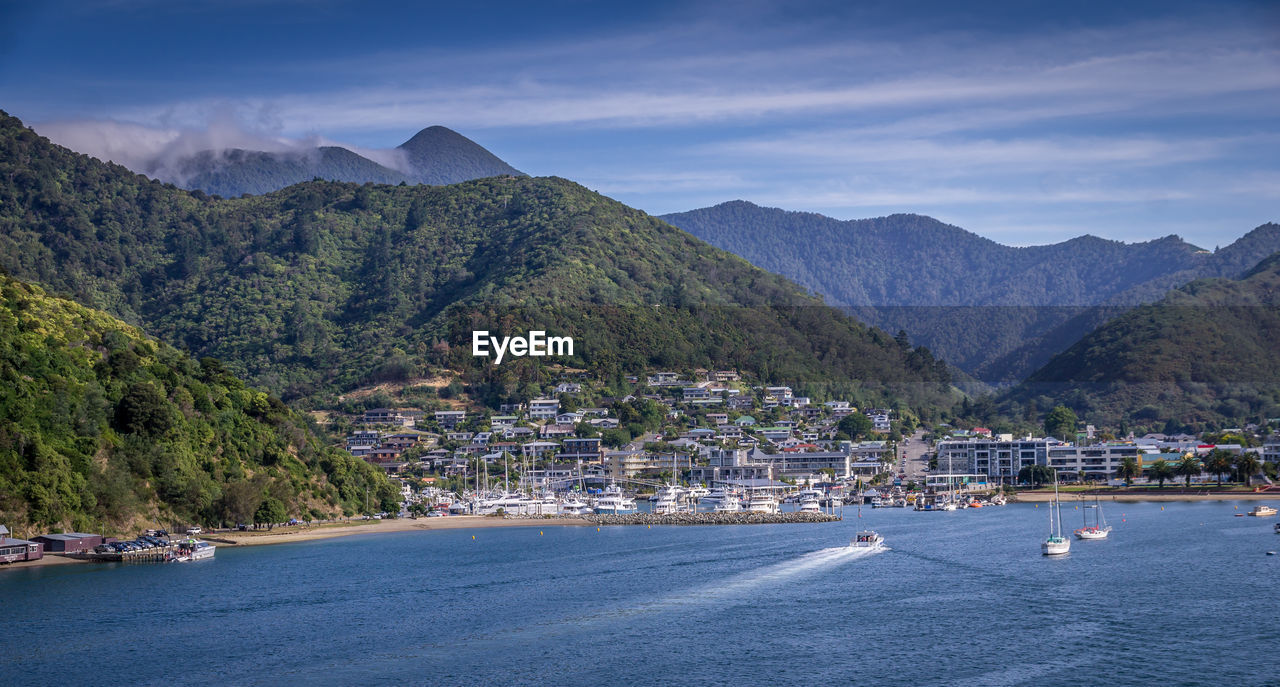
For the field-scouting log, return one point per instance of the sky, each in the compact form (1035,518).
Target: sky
(1027,123)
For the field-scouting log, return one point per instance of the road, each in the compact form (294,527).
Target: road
(914,456)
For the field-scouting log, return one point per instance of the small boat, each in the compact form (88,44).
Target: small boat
(193,550)
(574,506)
(867,539)
(809,504)
(1277,528)
(1262,511)
(1055,544)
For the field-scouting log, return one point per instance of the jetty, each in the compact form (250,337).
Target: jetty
(740,518)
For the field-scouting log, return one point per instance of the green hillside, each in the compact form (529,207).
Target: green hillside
(997,312)
(1203,356)
(322,287)
(103,427)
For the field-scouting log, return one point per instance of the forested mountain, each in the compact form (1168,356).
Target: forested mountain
(103,427)
(325,286)
(234,172)
(1203,355)
(997,312)
(436,155)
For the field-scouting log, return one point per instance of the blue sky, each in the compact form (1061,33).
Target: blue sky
(1024,122)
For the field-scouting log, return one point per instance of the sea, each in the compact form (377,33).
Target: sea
(1180,594)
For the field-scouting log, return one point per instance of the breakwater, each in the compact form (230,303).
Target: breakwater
(740,518)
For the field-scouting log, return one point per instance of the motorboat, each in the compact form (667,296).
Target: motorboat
(194,550)
(574,506)
(667,500)
(1262,511)
(809,504)
(867,539)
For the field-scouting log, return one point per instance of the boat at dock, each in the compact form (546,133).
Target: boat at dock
(614,502)
(193,550)
(761,502)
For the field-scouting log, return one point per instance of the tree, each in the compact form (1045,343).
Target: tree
(1247,465)
(271,512)
(1219,462)
(1188,467)
(1061,423)
(1162,470)
(1128,469)
(856,425)
(1036,475)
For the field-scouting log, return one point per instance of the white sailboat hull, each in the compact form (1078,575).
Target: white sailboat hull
(1056,547)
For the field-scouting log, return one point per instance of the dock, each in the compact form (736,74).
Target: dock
(740,518)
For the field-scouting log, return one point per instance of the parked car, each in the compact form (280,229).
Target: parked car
(194,530)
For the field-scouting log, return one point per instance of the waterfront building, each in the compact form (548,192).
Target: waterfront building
(69,542)
(1000,458)
(15,550)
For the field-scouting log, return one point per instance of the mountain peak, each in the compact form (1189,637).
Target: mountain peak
(439,155)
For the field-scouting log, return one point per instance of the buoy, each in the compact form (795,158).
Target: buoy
(1161,507)
(648,527)
(539,533)
(473,537)
(597,529)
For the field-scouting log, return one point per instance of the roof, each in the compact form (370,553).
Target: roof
(3,530)
(67,536)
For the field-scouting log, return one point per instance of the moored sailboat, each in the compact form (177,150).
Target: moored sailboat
(1055,544)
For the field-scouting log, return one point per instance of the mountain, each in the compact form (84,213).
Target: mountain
(323,287)
(103,427)
(1202,356)
(441,156)
(997,312)
(234,172)
(436,155)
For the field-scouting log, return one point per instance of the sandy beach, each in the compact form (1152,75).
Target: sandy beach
(285,535)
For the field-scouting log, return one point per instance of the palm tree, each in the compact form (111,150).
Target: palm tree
(1188,467)
(1247,465)
(1128,469)
(1219,461)
(1161,470)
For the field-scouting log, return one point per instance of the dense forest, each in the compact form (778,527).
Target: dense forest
(997,312)
(102,427)
(436,155)
(1203,356)
(322,287)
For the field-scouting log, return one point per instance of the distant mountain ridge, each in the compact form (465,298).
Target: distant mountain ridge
(436,155)
(997,312)
(1203,355)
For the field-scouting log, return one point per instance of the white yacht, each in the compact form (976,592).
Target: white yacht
(667,500)
(729,503)
(867,539)
(809,503)
(1098,529)
(1055,544)
(614,502)
(761,502)
(574,506)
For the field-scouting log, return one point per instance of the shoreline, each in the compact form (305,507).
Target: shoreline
(1168,496)
(302,533)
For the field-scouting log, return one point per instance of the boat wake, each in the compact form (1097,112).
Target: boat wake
(738,586)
